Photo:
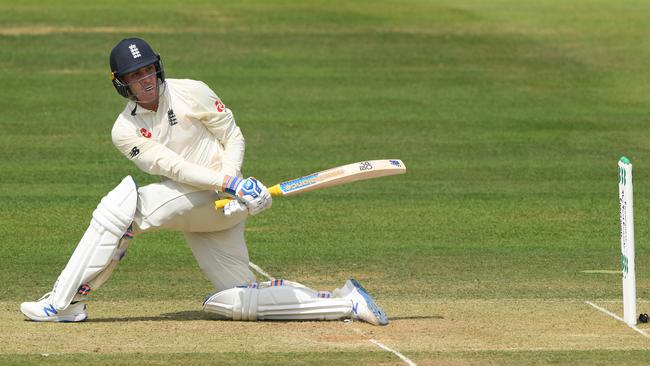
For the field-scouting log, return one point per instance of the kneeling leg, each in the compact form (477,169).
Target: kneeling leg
(289,301)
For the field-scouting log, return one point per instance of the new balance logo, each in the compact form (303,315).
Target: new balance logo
(134,51)
(134,152)
(355,307)
(49,310)
(365,166)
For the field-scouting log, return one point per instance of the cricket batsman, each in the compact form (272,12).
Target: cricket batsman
(180,130)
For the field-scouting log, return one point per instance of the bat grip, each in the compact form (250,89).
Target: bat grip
(219,204)
(274,191)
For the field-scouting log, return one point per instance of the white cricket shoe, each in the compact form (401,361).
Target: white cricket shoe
(363,306)
(43,311)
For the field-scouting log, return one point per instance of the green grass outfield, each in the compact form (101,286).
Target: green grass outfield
(509,115)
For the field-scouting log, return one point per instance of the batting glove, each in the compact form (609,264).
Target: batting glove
(251,192)
(234,207)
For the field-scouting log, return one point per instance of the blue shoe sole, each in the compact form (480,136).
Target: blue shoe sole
(58,321)
(379,313)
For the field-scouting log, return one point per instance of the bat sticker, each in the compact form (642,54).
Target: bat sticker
(298,183)
(365,166)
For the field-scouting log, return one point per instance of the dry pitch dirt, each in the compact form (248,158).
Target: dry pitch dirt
(417,330)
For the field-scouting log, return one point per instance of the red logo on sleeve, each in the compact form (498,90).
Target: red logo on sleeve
(145,133)
(220,106)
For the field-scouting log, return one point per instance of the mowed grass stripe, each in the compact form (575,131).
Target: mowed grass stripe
(208,358)
(515,358)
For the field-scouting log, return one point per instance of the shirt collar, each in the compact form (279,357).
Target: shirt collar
(139,110)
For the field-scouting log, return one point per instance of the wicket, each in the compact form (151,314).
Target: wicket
(627,239)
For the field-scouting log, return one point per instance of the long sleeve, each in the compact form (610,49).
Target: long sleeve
(219,120)
(154,158)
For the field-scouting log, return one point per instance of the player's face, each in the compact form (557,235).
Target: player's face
(143,83)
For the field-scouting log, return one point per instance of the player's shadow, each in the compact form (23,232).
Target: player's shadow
(415,317)
(201,315)
(176,316)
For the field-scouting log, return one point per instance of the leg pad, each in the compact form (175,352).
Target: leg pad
(276,303)
(96,249)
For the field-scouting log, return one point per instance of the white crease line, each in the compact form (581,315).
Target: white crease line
(385,348)
(259,270)
(619,301)
(618,318)
(401,356)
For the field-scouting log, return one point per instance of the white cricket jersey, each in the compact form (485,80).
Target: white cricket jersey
(192,138)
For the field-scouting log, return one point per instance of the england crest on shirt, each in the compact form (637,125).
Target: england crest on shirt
(171,117)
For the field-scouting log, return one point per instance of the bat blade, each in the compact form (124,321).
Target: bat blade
(333,177)
(341,175)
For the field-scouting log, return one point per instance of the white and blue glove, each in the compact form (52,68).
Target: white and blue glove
(234,207)
(250,192)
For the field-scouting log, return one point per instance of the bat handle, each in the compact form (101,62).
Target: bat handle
(219,204)
(274,191)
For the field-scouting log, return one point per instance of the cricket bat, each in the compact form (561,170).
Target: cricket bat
(333,177)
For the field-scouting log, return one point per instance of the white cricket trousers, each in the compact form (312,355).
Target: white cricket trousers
(216,240)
